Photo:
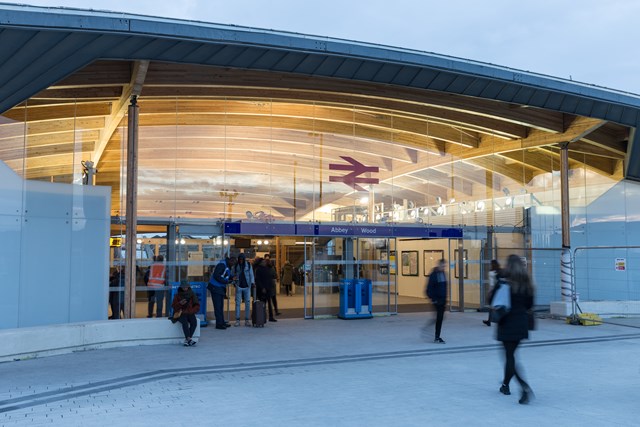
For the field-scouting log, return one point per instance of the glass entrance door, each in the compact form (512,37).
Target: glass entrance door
(323,262)
(465,274)
(373,264)
(330,260)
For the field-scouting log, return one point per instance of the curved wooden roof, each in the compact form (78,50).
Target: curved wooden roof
(69,74)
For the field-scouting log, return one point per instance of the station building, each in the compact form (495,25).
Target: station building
(124,137)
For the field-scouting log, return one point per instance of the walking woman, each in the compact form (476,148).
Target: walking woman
(514,326)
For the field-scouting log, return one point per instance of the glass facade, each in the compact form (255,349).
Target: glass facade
(206,160)
(236,159)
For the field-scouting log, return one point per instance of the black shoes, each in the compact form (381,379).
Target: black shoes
(439,341)
(273,320)
(486,322)
(504,389)
(221,326)
(526,396)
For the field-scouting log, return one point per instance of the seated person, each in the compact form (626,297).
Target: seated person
(186,302)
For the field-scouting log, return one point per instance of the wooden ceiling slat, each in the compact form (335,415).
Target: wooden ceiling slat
(46,150)
(60,111)
(49,139)
(107,93)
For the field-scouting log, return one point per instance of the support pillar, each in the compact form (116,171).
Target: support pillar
(566,275)
(131,207)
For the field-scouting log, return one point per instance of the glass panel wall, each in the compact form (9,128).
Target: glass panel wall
(264,160)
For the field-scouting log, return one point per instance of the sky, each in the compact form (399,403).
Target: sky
(590,41)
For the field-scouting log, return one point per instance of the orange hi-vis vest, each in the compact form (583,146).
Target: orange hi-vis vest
(156,276)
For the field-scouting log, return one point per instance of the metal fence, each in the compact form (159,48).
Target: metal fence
(544,267)
(608,276)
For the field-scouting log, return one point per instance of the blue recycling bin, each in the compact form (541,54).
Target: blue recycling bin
(347,299)
(364,297)
(355,299)
(200,289)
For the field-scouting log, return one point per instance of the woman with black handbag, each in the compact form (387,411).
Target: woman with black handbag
(514,326)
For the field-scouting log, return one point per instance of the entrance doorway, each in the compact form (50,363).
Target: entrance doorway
(397,267)
(330,260)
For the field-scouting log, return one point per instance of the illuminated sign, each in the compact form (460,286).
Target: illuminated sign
(352,179)
(115,242)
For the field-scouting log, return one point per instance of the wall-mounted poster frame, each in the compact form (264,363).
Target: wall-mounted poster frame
(392,262)
(464,260)
(430,259)
(409,263)
(384,261)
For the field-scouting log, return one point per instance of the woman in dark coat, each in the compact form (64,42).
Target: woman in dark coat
(514,326)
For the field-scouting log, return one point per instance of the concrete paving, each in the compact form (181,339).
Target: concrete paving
(332,372)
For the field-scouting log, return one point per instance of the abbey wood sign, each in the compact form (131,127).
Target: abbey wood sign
(311,229)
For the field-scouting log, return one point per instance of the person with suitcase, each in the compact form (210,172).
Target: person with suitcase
(264,286)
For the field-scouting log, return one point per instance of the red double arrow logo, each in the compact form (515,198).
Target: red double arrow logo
(352,179)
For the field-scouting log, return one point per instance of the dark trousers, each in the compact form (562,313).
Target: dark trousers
(189,324)
(273,300)
(439,318)
(510,368)
(217,296)
(116,301)
(152,299)
(269,302)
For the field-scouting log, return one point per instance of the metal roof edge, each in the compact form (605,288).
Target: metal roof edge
(113,22)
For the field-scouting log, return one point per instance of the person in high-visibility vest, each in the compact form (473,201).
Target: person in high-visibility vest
(155,280)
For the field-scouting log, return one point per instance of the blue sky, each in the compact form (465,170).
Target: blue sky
(590,41)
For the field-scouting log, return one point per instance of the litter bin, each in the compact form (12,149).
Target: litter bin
(200,289)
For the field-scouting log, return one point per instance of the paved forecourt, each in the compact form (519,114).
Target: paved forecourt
(381,371)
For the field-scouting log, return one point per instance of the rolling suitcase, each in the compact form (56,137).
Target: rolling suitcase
(258,312)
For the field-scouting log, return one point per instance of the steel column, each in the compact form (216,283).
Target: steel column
(566,288)
(131,215)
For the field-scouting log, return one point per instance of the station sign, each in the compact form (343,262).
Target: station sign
(347,230)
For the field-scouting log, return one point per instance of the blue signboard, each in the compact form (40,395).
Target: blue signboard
(347,230)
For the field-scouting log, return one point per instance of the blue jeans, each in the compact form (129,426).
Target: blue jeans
(246,294)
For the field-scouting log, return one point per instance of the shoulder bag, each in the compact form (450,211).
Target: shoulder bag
(501,302)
